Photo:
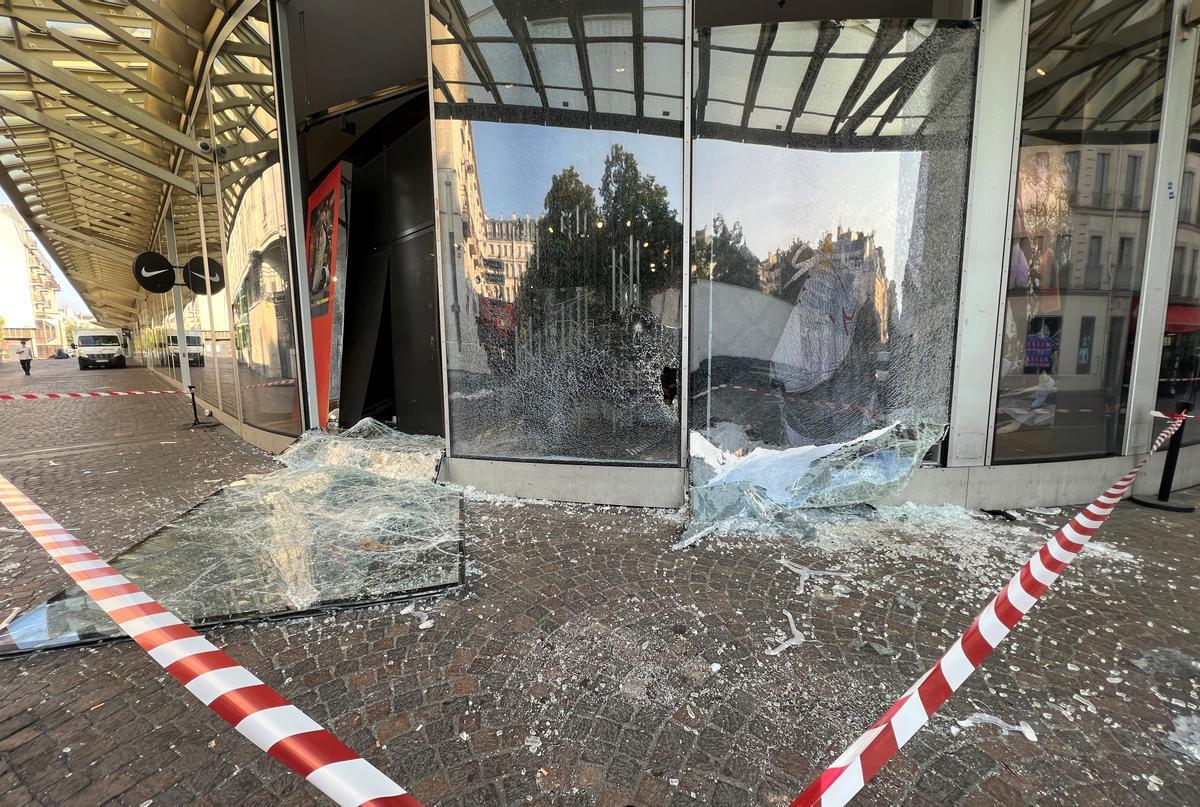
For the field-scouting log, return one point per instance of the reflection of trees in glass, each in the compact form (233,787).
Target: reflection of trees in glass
(726,253)
(579,232)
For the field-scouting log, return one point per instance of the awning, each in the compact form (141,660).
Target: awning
(1183,318)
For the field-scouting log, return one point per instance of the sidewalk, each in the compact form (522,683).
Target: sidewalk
(589,663)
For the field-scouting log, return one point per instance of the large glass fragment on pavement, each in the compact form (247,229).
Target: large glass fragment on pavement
(347,519)
(766,483)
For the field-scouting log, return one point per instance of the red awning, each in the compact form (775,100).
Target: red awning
(1183,318)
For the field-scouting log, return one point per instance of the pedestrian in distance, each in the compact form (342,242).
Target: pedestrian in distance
(24,355)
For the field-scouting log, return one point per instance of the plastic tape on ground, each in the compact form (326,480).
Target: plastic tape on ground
(256,710)
(847,775)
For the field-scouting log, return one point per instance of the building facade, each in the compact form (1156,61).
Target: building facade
(28,291)
(578,234)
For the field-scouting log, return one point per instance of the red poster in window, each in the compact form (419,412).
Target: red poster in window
(326,247)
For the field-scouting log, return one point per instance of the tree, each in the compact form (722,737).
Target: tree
(637,205)
(726,254)
(579,232)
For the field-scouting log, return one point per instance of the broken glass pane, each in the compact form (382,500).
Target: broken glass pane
(766,485)
(350,518)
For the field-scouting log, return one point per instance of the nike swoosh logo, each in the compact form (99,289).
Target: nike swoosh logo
(152,274)
(211,278)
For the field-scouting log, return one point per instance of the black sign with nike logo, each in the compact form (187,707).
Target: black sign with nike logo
(194,276)
(154,272)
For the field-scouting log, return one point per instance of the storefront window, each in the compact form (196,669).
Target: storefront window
(830,163)
(262,332)
(1089,130)
(559,154)
(1179,375)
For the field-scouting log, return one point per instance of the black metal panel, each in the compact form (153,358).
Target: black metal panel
(416,351)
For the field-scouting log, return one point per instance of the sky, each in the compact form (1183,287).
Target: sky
(776,194)
(780,194)
(67,296)
(516,162)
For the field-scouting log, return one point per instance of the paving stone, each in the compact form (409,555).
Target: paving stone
(579,661)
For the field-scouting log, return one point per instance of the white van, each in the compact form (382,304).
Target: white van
(101,347)
(195,348)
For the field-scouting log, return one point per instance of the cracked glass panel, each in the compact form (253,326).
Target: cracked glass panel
(559,170)
(830,179)
(347,519)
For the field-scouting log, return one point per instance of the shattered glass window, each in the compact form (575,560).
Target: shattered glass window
(561,249)
(830,176)
(347,519)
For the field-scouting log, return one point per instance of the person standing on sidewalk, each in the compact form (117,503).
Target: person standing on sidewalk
(24,355)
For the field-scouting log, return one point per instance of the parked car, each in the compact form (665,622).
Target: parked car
(61,354)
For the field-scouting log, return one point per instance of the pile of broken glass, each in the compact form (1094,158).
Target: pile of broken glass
(346,519)
(772,486)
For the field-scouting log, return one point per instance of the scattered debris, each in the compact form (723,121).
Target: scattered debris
(807,573)
(980,718)
(796,639)
(1185,737)
(1170,662)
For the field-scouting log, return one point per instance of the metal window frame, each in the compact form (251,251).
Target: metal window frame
(588,481)
(289,157)
(1175,122)
(987,241)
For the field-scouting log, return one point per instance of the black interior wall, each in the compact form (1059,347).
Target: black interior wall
(392,337)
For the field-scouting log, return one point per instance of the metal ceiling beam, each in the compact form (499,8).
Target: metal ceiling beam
(96,145)
(171,20)
(826,37)
(890,33)
(106,24)
(766,39)
(916,65)
(91,53)
(107,101)
(81,240)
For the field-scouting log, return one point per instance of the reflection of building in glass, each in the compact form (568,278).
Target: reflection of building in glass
(257,257)
(1078,253)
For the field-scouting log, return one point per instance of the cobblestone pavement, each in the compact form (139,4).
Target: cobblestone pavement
(589,663)
(111,469)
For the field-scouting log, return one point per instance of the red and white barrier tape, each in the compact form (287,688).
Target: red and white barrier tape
(847,775)
(256,710)
(283,382)
(37,396)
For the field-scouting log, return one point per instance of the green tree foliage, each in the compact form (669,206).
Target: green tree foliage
(580,230)
(724,251)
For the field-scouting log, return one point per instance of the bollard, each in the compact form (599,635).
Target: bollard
(1168,474)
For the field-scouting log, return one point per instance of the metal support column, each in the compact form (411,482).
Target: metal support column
(185,370)
(289,160)
(1160,235)
(685,272)
(999,88)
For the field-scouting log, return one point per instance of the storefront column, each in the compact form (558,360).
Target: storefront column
(1164,214)
(289,158)
(998,97)
(685,277)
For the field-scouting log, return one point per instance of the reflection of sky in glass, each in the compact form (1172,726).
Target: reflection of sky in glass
(517,161)
(782,194)
(777,194)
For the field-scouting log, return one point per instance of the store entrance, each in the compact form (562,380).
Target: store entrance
(392,349)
